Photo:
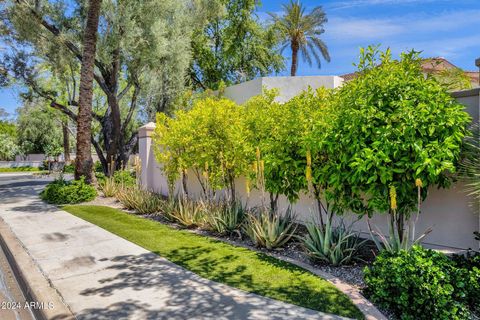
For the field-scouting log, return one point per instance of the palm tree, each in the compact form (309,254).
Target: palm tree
(84,163)
(302,33)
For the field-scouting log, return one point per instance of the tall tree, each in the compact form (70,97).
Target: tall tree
(83,160)
(38,130)
(143,55)
(232,46)
(302,33)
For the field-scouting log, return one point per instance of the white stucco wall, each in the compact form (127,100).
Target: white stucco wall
(449,212)
(288,86)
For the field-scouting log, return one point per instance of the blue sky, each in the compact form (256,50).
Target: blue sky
(439,28)
(445,28)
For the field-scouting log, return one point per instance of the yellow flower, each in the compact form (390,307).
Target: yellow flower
(418,183)
(308,174)
(248,186)
(309,158)
(393,198)
(258,153)
(254,167)
(262,166)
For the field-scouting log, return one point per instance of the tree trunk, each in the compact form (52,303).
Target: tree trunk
(274,202)
(66,141)
(293,69)
(84,163)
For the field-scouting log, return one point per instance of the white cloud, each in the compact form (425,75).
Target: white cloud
(364,3)
(398,27)
(362,29)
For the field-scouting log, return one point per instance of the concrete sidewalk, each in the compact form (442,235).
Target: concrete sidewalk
(102,276)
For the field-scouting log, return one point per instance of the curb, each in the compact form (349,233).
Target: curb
(32,282)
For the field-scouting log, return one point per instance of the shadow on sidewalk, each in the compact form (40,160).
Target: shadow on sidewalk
(188,295)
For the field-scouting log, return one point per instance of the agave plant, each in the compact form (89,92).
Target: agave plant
(396,241)
(142,201)
(186,212)
(270,230)
(334,245)
(224,218)
(108,187)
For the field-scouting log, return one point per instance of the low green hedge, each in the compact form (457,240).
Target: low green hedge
(68,192)
(422,284)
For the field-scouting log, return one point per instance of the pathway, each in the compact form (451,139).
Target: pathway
(102,276)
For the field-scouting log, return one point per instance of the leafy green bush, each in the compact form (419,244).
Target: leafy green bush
(69,168)
(394,125)
(125,178)
(142,201)
(418,284)
(334,245)
(224,218)
(270,230)
(470,263)
(210,139)
(68,192)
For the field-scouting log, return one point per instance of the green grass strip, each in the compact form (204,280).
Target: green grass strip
(218,261)
(20,169)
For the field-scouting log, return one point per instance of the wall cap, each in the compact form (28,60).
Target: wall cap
(146,130)
(466,93)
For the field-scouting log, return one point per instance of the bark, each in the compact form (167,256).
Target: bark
(84,163)
(115,147)
(274,202)
(321,209)
(66,141)
(293,69)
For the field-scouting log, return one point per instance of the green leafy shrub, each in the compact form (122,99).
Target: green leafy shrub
(418,284)
(61,191)
(142,201)
(210,139)
(97,166)
(470,263)
(270,230)
(394,125)
(334,245)
(69,168)
(125,178)
(224,218)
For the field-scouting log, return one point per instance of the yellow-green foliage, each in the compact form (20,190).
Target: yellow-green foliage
(211,138)
(282,132)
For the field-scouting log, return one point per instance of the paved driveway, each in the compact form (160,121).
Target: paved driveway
(101,276)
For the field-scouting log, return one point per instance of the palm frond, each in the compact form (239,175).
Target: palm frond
(322,47)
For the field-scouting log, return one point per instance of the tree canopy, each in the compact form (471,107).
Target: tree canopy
(301,32)
(394,126)
(233,46)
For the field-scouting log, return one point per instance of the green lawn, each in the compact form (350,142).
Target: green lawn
(238,267)
(20,169)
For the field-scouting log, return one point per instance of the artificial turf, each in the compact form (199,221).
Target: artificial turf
(218,261)
(19,169)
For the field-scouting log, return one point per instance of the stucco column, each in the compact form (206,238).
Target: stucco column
(145,152)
